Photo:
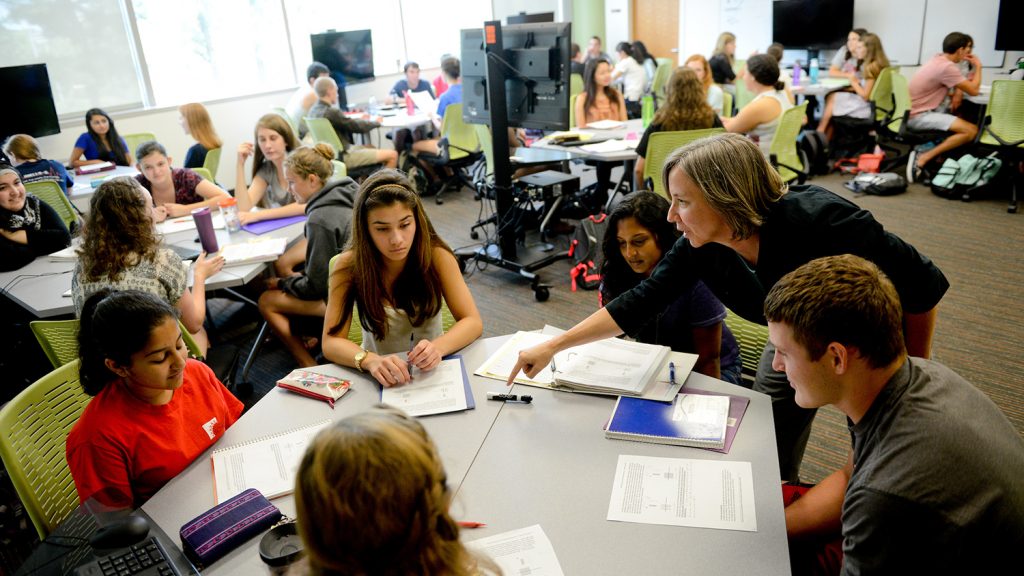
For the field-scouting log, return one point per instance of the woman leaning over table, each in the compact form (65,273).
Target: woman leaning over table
(399,272)
(153,410)
(29,227)
(120,249)
(743,229)
(175,191)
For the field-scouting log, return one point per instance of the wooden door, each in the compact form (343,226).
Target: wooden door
(656,24)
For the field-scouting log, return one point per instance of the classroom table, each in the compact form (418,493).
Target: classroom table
(39,287)
(514,465)
(81,193)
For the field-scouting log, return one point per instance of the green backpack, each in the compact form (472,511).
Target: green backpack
(960,178)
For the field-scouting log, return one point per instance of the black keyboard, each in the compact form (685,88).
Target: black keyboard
(147,558)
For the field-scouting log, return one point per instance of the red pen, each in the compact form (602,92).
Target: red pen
(472,524)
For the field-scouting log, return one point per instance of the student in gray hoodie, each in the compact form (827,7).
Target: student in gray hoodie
(329,205)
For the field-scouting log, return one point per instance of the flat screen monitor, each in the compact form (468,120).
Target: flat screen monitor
(811,24)
(1008,28)
(524,18)
(349,55)
(535,65)
(31,111)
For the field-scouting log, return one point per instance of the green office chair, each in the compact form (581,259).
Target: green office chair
(204,173)
(133,141)
(575,84)
(751,339)
(33,430)
(881,94)
(340,171)
(58,339)
(669,61)
(322,131)
(50,192)
(784,154)
(894,128)
(743,96)
(660,83)
(293,122)
(461,151)
(212,161)
(726,104)
(1003,128)
(483,135)
(660,145)
(190,343)
(572,111)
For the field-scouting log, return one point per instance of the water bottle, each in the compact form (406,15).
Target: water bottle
(647,110)
(229,210)
(797,69)
(410,106)
(814,71)
(372,107)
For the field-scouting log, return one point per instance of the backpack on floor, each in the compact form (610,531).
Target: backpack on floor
(960,178)
(585,252)
(815,148)
(884,184)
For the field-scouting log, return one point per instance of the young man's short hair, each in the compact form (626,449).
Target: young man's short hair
(323,85)
(316,70)
(955,41)
(844,299)
(451,68)
(409,65)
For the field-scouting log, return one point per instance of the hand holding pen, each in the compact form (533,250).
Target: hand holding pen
(423,355)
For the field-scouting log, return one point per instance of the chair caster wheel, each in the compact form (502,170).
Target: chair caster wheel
(541,293)
(474,235)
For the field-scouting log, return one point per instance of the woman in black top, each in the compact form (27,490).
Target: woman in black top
(29,227)
(722,60)
(743,229)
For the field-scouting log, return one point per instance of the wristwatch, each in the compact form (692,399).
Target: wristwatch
(360,356)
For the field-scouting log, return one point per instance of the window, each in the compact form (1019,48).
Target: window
(85,45)
(198,50)
(426,43)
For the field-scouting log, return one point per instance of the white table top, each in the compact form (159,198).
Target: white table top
(403,120)
(630,129)
(39,287)
(81,193)
(515,465)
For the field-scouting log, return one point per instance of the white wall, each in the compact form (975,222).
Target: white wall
(505,8)
(616,25)
(234,118)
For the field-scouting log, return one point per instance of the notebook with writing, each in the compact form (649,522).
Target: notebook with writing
(694,420)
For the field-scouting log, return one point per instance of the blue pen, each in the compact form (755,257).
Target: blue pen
(672,373)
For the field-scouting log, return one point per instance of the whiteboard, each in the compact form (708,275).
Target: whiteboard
(750,21)
(898,24)
(976,18)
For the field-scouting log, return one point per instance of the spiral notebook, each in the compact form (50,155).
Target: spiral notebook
(267,464)
(695,420)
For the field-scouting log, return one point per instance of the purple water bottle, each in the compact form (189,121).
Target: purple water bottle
(796,73)
(204,224)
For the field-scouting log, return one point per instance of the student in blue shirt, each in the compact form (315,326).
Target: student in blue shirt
(412,80)
(95,144)
(450,68)
(26,157)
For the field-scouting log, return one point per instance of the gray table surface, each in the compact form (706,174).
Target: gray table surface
(634,127)
(39,287)
(515,465)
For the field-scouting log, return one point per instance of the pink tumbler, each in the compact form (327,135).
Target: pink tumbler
(204,224)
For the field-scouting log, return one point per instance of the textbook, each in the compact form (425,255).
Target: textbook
(257,250)
(267,464)
(694,420)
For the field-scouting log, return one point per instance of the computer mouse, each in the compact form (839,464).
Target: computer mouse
(125,532)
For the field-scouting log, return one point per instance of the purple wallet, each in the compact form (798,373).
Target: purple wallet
(221,529)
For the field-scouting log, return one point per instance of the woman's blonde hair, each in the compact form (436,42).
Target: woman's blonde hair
(118,232)
(315,160)
(371,497)
(723,39)
(734,177)
(23,147)
(199,125)
(686,107)
(875,59)
(708,77)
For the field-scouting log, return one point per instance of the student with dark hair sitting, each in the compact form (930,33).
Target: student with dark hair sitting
(29,227)
(759,118)
(933,481)
(154,410)
(100,143)
(638,236)
(175,191)
(303,98)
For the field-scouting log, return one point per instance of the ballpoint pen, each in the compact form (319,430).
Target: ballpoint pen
(672,373)
(412,344)
(465,524)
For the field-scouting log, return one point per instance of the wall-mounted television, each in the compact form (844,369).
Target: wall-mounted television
(31,111)
(349,55)
(811,24)
(1008,33)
